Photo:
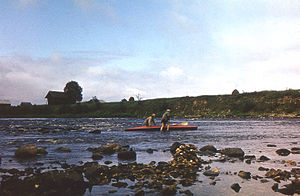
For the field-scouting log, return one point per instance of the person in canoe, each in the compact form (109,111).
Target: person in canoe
(165,120)
(150,120)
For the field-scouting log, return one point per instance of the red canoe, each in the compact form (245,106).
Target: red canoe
(157,128)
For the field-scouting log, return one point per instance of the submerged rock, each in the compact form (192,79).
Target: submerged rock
(139,192)
(233,152)
(107,149)
(63,149)
(97,156)
(149,150)
(283,152)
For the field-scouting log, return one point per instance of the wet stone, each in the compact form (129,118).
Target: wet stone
(283,152)
(63,149)
(127,155)
(119,184)
(208,150)
(244,175)
(29,151)
(251,157)
(236,187)
(149,150)
(96,131)
(271,145)
(186,192)
(107,162)
(263,169)
(96,156)
(139,192)
(295,150)
(213,172)
(263,158)
(248,161)
(233,152)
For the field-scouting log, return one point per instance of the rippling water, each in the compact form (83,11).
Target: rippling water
(252,135)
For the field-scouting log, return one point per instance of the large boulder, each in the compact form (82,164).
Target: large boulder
(174,146)
(233,152)
(127,155)
(29,151)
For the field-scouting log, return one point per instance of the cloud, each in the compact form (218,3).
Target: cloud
(171,73)
(97,70)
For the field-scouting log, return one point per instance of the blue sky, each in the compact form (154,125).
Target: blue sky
(156,48)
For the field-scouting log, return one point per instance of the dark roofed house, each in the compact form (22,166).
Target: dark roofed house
(25,104)
(57,98)
(5,103)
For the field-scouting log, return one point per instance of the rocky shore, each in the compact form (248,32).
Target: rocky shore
(186,168)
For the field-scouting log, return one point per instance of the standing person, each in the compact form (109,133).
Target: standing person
(165,120)
(149,120)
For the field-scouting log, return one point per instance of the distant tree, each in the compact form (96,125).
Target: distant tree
(73,91)
(235,92)
(123,100)
(131,99)
(139,97)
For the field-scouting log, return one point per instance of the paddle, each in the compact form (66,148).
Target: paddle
(183,123)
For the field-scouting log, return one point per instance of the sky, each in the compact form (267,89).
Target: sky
(115,49)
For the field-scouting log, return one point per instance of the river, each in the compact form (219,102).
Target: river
(252,135)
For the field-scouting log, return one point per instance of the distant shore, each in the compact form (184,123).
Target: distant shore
(264,104)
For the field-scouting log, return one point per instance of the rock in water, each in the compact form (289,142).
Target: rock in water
(236,187)
(63,149)
(283,152)
(97,156)
(29,151)
(127,155)
(97,131)
(233,152)
(149,150)
(174,146)
(263,158)
(210,148)
(213,172)
(139,192)
(244,175)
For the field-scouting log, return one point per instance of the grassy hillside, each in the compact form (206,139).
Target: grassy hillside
(256,104)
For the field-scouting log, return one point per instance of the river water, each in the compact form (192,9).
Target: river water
(252,135)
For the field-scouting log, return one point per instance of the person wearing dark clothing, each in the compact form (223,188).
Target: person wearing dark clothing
(165,120)
(150,120)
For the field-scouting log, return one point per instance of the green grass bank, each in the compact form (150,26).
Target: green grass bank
(250,105)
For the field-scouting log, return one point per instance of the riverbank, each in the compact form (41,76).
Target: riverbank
(281,104)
